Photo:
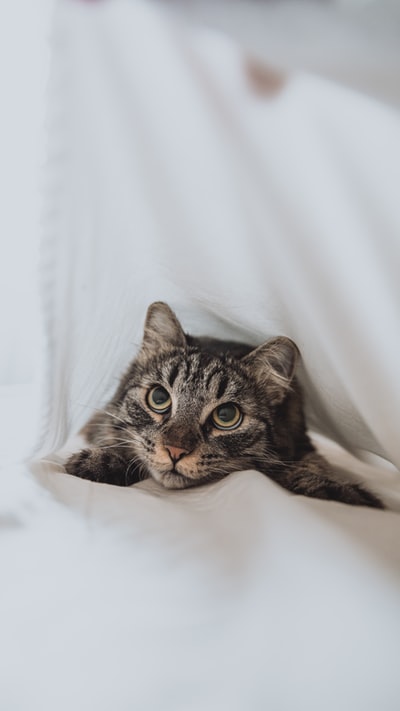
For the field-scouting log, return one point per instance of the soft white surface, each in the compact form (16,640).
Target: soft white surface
(24,63)
(170,179)
(229,597)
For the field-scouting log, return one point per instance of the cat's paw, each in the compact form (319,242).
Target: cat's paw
(358,496)
(103,465)
(312,477)
(85,464)
(345,493)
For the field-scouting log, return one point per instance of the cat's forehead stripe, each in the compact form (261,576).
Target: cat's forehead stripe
(173,374)
(194,369)
(194,372)
(202,371)
(187,369)
(222,386)
(210,375)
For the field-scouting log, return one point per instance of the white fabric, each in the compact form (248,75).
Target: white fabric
(24,61)
(170,179)
(231,597)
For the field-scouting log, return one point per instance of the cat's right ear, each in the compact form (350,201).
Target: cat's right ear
(274,364)
(162,330)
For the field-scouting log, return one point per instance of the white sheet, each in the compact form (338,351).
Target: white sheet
(238,595)
(251,216)
(234,596)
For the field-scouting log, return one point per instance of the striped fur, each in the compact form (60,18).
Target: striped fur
(129,441)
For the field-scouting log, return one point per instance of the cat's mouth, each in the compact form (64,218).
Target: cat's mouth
(171,478)
(174,480)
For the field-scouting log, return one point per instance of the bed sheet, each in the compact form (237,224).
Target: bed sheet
(233,596)
(253,215)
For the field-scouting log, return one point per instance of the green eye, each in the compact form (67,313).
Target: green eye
(158,399)
(227,417)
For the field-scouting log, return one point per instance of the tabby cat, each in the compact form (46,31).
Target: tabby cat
(192,410)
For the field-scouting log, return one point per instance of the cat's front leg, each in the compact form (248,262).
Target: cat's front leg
(108,466)
(311,476)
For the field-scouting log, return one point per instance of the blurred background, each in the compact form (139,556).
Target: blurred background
(24,70)
(24,67)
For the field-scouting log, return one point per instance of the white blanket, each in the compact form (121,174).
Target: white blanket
(170,178)
(234,596)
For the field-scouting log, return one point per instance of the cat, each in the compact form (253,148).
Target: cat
(190,411)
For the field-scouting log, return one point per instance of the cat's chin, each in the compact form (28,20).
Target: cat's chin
(173,480)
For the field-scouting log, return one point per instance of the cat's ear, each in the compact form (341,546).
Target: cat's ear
(273,364)
(162,330)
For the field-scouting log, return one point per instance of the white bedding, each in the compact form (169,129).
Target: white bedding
(233,596)
(238,595)
(250,215)
(230,597)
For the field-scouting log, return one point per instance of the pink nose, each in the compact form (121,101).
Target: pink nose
(175,452)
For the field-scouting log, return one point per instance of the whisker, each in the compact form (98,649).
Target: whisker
(113,441)
(101,410)
(114,445)
(102,425)
(133,462)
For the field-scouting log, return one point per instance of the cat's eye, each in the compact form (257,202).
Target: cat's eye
(159,399)
(227,417)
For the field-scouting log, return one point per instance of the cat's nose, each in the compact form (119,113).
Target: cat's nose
(175,453)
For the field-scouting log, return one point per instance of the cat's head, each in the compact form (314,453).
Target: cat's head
(194,416)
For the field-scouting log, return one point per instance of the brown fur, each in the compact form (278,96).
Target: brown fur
(185,445)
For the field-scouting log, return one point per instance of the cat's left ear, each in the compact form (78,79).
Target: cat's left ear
(162,330)
(274,363)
